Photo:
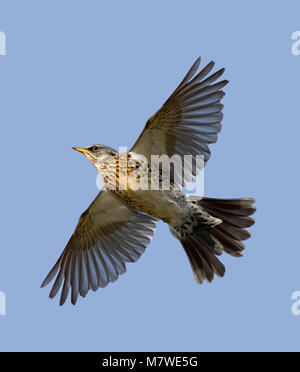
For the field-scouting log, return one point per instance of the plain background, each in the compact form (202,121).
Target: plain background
(84,72)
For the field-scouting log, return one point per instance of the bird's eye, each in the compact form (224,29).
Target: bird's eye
(95,148)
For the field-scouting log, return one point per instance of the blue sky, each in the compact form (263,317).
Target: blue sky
(78,73)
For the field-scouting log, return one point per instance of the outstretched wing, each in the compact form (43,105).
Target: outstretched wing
(188,121)
(107,235)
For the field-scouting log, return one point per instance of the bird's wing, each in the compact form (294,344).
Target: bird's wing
(108,235)
(188,121)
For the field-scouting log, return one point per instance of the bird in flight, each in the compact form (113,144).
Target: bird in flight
(118,225)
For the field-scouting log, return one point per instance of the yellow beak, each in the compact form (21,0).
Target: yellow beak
(82,150)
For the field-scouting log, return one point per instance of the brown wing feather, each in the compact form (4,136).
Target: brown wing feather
(108,235)
(188,121)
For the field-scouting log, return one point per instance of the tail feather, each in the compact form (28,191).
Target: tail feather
(231,246)
(234,203)
(203,244)
(235,216)
(235,220)
(204,263)
(209,241)
(234,232)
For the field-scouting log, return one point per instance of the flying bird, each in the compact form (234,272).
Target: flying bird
(118,225)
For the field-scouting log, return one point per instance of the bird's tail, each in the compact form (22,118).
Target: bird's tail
(202,245)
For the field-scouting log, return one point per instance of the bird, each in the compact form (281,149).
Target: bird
(119,224)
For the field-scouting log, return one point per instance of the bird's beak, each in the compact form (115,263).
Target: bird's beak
(82,150)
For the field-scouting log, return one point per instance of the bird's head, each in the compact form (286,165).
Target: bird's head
(97,154)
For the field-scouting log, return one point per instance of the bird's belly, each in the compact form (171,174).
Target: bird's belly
(159,203)
(166,204)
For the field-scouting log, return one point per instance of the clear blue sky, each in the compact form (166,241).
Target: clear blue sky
(80,72)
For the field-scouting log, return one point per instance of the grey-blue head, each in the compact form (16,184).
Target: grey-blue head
(97,154)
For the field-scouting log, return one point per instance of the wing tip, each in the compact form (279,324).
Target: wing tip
(197,62)
(46,281)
